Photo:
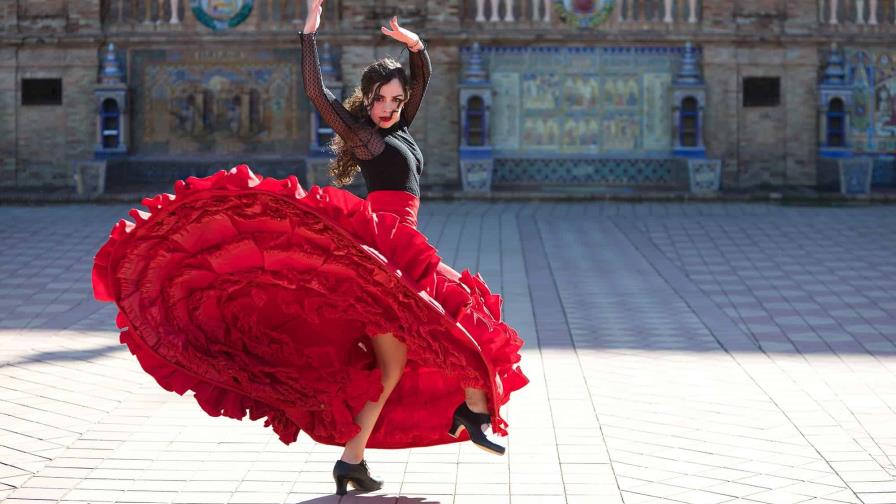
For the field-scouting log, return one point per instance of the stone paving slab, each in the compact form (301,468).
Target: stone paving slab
(696,353)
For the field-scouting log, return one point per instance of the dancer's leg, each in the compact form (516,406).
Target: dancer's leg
(391,356)
(476,400)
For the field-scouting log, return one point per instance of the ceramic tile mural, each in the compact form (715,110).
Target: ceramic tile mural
(581,100)
(220,100)
(873,121)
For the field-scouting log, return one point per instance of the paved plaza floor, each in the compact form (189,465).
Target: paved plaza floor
(696,353)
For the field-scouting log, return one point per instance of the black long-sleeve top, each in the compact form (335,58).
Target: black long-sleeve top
(389,158)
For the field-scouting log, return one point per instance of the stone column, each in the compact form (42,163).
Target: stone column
(692,11)
(189,21)
(860,12)
(872,12)
(120,13)
(833,6)
(175,17)
(667,4)
(508,16)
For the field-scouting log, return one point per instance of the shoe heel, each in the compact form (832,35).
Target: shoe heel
(464,418)
(455,429)
(341,483)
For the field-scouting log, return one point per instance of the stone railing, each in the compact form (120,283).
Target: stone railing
(176,15)
(664,15)
(626,14)
(857,15)
(655,11)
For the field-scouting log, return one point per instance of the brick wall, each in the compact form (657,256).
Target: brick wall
(8,97)
(440,126)
(50,137)
(9,15)
(762,145)
(739,38)
(720,70)
(38,143)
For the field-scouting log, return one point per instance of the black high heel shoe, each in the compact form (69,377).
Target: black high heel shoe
(465,418)
(356,474)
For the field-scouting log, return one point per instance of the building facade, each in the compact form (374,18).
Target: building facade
(534,92)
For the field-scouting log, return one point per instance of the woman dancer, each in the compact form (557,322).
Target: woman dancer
(319,310)
(373,138)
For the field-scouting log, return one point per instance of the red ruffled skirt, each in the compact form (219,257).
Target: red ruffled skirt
(261,297)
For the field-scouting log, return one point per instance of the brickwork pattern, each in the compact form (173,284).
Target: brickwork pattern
(679,353)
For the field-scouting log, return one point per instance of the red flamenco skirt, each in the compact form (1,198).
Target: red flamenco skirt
(261,297)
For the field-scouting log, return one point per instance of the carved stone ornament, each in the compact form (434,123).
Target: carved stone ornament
(584,13)
(221,14)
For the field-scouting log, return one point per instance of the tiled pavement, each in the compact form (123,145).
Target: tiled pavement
(697,353)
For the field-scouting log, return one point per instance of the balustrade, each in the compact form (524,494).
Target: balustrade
(858,14)
(632,14)
(840,15)
(141,15)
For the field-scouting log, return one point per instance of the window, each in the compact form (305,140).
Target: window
(688,120)
(41,91)
(475,121)
(836,119)
(109,118)
(762,91)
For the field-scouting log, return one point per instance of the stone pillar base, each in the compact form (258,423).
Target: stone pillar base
(90,177)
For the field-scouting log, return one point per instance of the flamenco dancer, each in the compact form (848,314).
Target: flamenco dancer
(319,310)
(373,138)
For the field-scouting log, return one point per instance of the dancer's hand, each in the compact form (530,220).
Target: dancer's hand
(400,34)
(312,22)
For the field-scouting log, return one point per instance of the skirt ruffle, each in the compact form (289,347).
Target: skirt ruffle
(261,297)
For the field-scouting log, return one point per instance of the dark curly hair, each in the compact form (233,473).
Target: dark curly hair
(344,167)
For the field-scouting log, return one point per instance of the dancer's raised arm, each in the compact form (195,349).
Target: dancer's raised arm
(421,67)
(363,139)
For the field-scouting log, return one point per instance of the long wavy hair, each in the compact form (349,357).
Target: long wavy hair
(344,167)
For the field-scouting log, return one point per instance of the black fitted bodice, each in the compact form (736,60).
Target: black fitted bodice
(398,166)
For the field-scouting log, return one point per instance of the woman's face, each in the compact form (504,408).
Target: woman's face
(387,104)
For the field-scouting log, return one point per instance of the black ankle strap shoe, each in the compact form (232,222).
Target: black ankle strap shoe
(476,425)
(356,474)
